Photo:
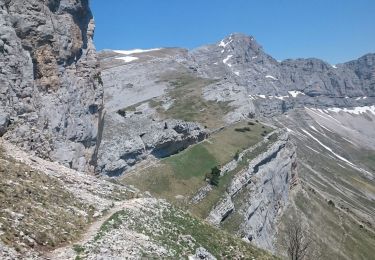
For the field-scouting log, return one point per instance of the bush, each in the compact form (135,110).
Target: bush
(331,203)
(251,115)
(237,155)
(250,123)
(98,78)
(243,129)
(121,112)
(214,176)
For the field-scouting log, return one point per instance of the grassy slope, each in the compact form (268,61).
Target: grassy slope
(36,210)
(188,103)
(184,173)
(165,225)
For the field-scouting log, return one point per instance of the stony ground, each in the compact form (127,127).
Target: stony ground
(149,228)
(63,214)
(46,205)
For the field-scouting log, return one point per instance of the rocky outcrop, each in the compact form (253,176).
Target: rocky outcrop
(49,85)
(4,123)
(128,140)
(202,253)
(258,194)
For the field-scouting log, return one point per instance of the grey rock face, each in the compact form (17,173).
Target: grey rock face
(249,75)
(267,195)
(4,123)
(364,69)
(264,188)
(202,253)
(49,79)
(128,140)
(132,134)
(221,210)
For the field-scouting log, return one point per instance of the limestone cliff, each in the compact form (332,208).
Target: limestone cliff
(257,195)
(50,91)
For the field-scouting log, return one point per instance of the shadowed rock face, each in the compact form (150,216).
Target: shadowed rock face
(49,79)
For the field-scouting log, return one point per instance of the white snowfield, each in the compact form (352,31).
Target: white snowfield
(134,51)
(226,60)
(129,52)
(354,110)
(252,97)
(224,44)
(295,93)
(279,97)
(271,77)
(127,58)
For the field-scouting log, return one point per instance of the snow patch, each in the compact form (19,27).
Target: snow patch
(262,96)
(252,97)
(224,44)
(334,66)
(326,147)
(312,149)
(313,128)
(281,97)
(237,73)
(359,98)
(134,51)
(127,58)
(295,93)
(354,110)
(338,156)
(289,130)
(322,126)
(271,77)
(227,58)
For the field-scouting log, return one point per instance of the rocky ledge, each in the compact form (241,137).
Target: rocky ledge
(258,194)
(128,140)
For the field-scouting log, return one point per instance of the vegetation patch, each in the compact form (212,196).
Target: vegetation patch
(180,233)
(36,210)
(178,177)
(113,222)
(186,91)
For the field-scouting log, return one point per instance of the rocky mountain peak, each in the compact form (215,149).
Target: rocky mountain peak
(240,40)
(240,45)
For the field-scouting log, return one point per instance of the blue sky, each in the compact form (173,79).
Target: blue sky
(333,30)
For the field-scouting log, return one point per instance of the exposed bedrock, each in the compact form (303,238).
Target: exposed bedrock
(49,86)
(128,140)
(259,193)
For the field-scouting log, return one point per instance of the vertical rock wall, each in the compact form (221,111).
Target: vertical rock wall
(50,96)
(257,196)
